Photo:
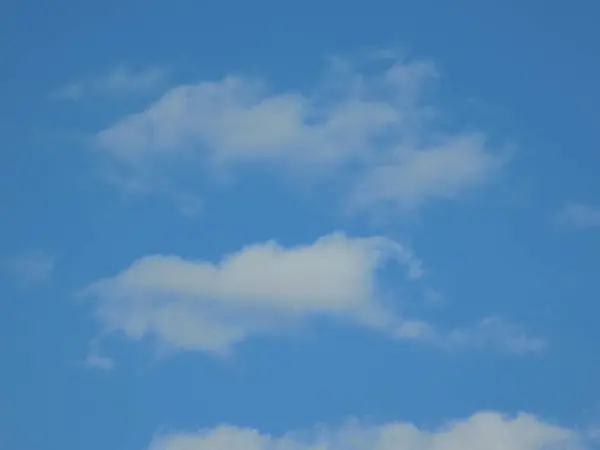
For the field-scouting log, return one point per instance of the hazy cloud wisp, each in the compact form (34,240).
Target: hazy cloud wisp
(580,216)
(119,81)
(31,266)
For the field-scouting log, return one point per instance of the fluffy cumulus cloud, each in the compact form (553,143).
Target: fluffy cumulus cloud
(484,430)
(373,126)
(266,288)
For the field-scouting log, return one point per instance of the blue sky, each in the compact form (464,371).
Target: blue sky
(250,225)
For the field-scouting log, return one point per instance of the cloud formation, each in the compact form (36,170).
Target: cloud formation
(371,125)
(484,430)
(266,288)
(118,81)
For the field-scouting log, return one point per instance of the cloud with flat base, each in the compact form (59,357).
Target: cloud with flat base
(266,289)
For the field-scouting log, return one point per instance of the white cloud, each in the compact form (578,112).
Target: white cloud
(484,430)
(580,216)
(120,80)
(236,120)
(443,171)
(265,288)
(374,124)
(30,266)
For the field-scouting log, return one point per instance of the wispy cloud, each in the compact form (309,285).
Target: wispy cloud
(100,362)
(266,288)
(373,129)
(118,81)
(445,170)
(495,332)
(30,267)
(580,216)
